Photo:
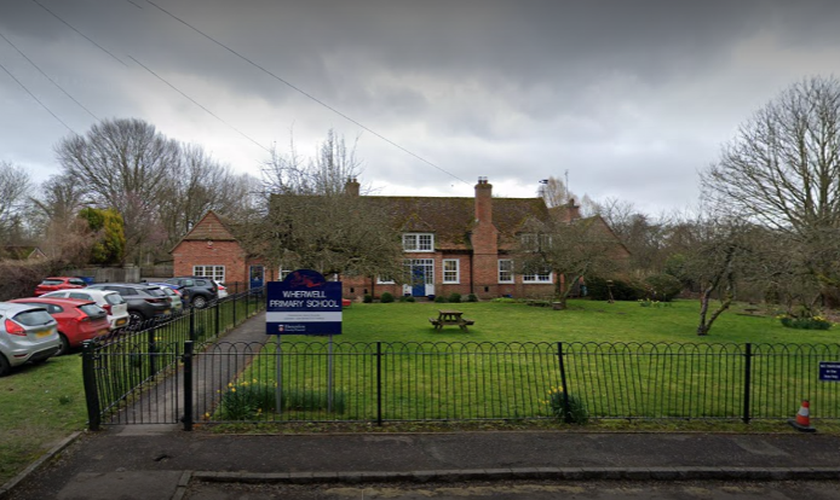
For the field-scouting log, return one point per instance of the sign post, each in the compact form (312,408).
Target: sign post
(303,304)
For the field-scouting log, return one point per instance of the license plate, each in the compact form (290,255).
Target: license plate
(104,331)
(121,322)
(167,311)
(44,333)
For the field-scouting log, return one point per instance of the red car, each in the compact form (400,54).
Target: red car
(59,283)
(78,320)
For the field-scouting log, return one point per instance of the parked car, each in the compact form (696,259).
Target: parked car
(27,334)
(197,291)
(173,293)
(222,290)
(112,302)
(78,320)
(144,301)
(59,283)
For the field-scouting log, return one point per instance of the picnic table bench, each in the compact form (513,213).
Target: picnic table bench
(453,318)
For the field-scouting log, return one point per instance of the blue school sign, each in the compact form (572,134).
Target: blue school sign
(303,304)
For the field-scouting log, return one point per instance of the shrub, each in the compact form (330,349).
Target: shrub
(386,298)
(440,299)
(472,298)
(663,287)
(576,412)
(621,290)
(367,299)
(805,322)
(407,298)
(246,401)
(455,297)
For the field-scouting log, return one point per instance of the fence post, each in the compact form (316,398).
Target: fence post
(192,324)
(747,382)
(89,380)
(379,383)
(152,350)
(235,299)
(567,412)
(218,318)
(188,386)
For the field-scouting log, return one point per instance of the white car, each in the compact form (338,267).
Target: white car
(113,303)
(222,293)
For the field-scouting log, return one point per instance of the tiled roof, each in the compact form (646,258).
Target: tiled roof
(452,219)
(210,227)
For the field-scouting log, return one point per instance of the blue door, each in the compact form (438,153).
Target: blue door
(256,274)
(418,281)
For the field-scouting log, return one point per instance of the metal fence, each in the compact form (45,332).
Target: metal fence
(322,381)
(136,374)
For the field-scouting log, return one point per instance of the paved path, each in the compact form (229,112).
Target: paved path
(214,365)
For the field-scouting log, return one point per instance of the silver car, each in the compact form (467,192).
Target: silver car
(112,302)
(27,333)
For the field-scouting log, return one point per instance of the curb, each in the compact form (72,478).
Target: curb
(529,473)
(34,466)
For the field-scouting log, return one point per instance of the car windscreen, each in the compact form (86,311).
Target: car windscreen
(34,317)
(93,310)
(154,292)
(52,282)
(114,299)
(167,291)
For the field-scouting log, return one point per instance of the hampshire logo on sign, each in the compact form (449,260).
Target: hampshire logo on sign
(303,304)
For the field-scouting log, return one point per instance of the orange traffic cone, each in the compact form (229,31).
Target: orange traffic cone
(803,418)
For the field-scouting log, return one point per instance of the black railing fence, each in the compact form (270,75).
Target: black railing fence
(135,374)
(204,381)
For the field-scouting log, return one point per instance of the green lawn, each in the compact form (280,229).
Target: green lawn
(42,404)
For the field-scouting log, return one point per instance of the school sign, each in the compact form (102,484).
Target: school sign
(303,304)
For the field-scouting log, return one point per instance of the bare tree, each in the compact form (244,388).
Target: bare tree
(123,164)
(314,222)
(61,197)
(570,250)
(783,171)
(14,186)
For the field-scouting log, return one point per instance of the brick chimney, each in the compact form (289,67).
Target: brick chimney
(485,243)
(572,210)
(351,187)
(483,201)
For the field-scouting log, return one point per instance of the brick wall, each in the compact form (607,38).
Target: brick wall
(191,253)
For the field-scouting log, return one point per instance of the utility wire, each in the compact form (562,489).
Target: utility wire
(303,92)
(103,49)
(48,77)
(176,89)
(36,98)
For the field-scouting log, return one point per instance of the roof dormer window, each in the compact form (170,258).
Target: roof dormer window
(418,242)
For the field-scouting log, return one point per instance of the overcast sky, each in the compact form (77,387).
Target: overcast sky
(632,98)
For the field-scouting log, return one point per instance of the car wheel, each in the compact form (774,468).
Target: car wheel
(65,345)
(5,367)
(199,302)
(135,318)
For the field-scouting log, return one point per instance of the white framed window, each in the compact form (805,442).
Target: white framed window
(418,242)
(282,273)
(213,272)
(540,277)
(505,271)
(451,271)
(385,280)
(534,242)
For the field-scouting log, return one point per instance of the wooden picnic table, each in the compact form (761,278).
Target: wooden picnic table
(449,317)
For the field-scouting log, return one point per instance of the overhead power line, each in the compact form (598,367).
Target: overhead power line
(48,77)
(303,92)
(103,49)
(36,98)
(176,89)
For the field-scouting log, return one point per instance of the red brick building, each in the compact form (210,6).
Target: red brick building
(462,245)
(211,250)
